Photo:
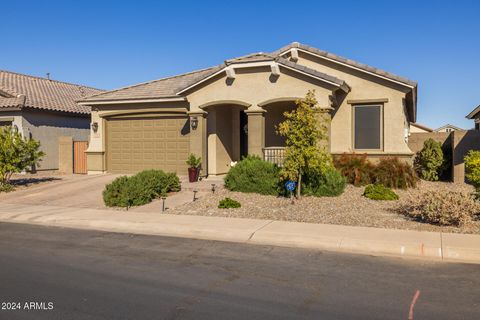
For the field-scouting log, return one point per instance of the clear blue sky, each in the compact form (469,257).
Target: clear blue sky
(109,44)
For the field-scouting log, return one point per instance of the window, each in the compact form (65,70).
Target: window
(367,127)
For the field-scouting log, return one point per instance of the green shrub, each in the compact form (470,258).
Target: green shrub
(472,168)
(355,168)
(228,203)
(6,187)
(194,161)
(379,192)
(158,183)
(139,189)
(253,175)
(331,183)
(393,173)
(429,161)
(441,207)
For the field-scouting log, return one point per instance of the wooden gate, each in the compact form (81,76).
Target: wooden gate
(80,157)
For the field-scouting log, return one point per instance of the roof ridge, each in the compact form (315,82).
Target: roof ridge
(46,79)
(341,59)
(147,82)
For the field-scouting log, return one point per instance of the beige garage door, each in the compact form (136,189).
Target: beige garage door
(136,144)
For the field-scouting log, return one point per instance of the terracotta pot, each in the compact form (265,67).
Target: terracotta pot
(193,174)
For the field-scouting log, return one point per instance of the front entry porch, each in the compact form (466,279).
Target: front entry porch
(233,131)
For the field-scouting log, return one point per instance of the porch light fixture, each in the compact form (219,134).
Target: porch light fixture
(194,122)
(95,127)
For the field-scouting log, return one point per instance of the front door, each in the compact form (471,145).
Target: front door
(243,134)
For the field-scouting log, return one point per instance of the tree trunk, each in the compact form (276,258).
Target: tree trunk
(299,186)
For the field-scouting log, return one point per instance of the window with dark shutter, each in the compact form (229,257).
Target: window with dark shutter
(367,127)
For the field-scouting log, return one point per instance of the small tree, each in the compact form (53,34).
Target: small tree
(303,133)
(16,153)
(429,160)
(472,167)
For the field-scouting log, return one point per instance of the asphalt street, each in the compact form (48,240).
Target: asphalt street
(55,273)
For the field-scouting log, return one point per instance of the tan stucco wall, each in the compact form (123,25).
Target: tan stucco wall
(65,155)
(255,85)
(273,117)
(364,86)
(223,138)
(415,129)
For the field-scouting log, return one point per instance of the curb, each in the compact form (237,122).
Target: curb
(436,246)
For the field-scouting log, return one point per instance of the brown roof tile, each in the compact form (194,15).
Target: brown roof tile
(42,93)
(344,60)
(161,88)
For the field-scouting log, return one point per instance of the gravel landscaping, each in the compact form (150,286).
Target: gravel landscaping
(351,208)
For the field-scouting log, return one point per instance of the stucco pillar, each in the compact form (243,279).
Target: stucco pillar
(256,130)
(324,119)
(96,162)
(65,155)
(198,138)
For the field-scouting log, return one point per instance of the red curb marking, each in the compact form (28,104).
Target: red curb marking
(415,298)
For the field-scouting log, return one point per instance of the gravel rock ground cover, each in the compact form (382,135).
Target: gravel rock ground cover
(351,208)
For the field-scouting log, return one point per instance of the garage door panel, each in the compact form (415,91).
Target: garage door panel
(151,143)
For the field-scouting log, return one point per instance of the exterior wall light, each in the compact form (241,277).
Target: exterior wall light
(95,127)
(194,122)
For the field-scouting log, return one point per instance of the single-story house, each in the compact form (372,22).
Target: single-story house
(44,110)
(475,116)
(448,128)
(419,128)
(227,111)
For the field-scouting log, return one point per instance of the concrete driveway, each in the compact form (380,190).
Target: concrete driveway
(80,191)
(83,191)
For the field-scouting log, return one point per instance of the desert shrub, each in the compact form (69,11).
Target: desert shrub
(228,203)
(441,208)
(158,182)
(429,161)
(139,189)
(116,193)
(330,183)
(394,173)
(355,168)
(379,192)
(6,187)
(253,175)
(472,168)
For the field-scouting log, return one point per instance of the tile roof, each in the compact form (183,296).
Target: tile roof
(161,88)
(20,90)
(172,86)
(340,59)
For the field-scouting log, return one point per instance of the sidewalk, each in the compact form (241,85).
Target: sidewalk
(375,241)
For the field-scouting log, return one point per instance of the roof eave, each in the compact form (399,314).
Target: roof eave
(474,112)
(88,102)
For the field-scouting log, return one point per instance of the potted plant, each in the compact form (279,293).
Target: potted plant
(193,163)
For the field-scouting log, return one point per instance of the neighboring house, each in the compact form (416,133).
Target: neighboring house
(419,128)
(230,110)
(475,116)
(448,128)
(44,109)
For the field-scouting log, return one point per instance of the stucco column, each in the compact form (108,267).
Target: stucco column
(256,130)
(96,162)
(198,138)
(324,119)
